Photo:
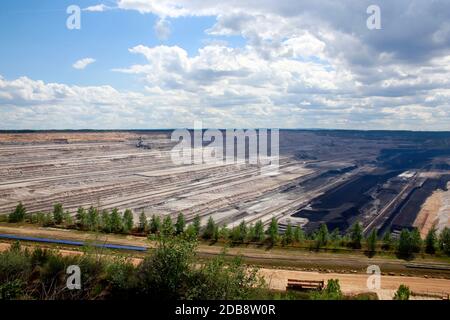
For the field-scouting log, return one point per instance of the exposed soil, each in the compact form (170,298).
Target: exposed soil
(357,283)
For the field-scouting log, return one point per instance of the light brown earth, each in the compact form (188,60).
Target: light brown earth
(434,212)
(428,214)
(357,283)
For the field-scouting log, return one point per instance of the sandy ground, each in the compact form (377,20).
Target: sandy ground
(357,283)
(434,212)
(427,216)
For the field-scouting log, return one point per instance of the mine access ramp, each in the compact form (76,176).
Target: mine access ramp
(303,285)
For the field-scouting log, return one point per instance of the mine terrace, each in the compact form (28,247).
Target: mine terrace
(386,180)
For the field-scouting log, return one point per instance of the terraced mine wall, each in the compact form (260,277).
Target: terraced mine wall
(405,214)
(325,176)
(340,207)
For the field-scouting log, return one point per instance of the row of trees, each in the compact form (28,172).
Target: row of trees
(85,219)
(408,243)
(109,222)
(58,216)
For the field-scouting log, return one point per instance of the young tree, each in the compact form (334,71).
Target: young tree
(196,224)
(18,215)
(288,235)
(208,232)
(251,232)
(32,218)
(387,241)
(224,233)
(93,219)
(431,241)
(143,223)
(299,235)
(190,232)
(335,235)
(272,231)
(416,241)
(235,234)
(356,235)
(58,213)
(322,236)
(40,218)
(243,230)
(48,221)
(116,221)
(216,233)
(444,241)
(167,228)
(128,221)
(106,221)
(331,292)
(372,241)
(81,218)
(402,293)
(239,233)
(155,224)
(404,243)
(333,289)
(180,224)
(166,273)
(258,231)
(67,218)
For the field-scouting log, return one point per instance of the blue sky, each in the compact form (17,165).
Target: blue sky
(36,42)
(229,63)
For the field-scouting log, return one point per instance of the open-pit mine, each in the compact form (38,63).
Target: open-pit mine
(385,180)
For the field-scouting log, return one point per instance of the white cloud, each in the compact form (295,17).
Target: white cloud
(97,8)
(34,104)
(83,63)
(302,64)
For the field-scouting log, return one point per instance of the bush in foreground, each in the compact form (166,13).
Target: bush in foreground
(170,272)
(402,293)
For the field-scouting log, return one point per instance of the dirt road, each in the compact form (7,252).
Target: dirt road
(357,283)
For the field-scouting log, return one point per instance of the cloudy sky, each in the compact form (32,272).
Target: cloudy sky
(228,63)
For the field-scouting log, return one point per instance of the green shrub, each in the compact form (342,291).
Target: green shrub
(402,293)
(18,215)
